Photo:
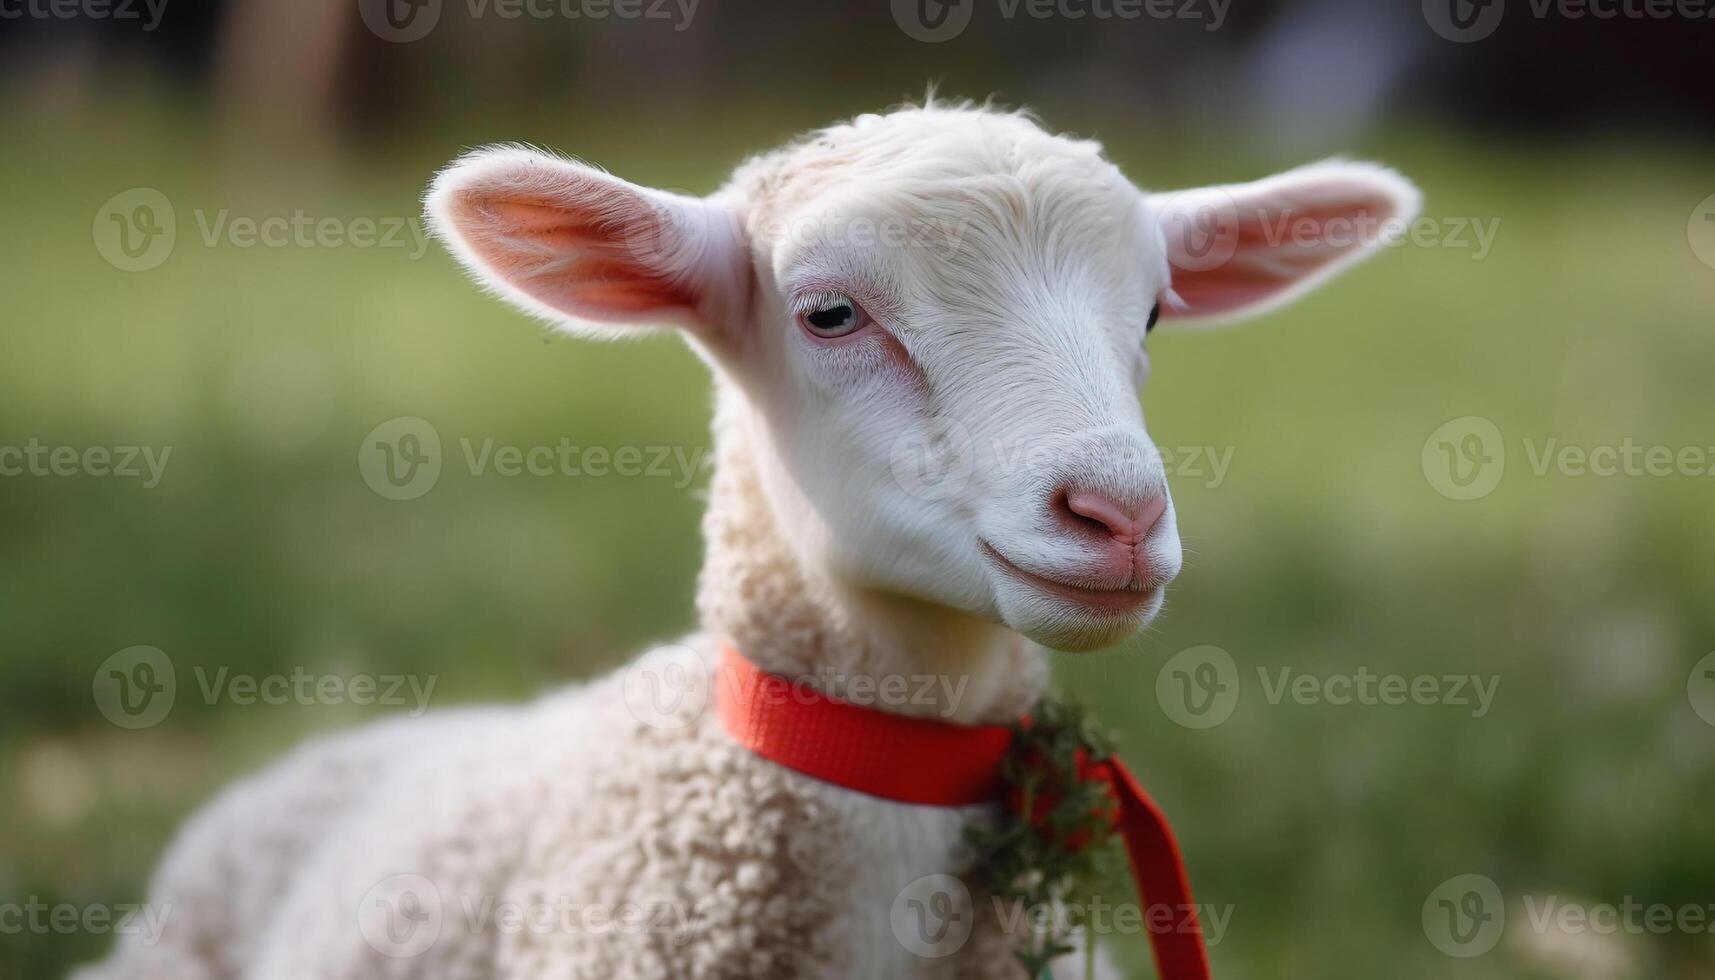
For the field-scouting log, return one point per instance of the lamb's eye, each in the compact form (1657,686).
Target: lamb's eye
(1154,315)
(833,316)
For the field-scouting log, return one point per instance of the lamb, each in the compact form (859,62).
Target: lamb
(928,333)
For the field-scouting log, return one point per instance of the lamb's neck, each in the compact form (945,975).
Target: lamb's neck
(890,652)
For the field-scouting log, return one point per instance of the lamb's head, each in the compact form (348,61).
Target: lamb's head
(934,324)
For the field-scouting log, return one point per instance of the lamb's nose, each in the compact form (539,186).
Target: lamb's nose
(1128,525)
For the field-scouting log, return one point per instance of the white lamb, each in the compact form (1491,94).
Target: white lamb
(927,329)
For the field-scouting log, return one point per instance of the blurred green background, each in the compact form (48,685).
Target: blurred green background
(1326,548)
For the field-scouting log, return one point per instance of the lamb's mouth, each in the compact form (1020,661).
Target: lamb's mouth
(1122,601)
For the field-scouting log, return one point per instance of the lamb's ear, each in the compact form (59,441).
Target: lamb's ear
(590,252)
(1240,249)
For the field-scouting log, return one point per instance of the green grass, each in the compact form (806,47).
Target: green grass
(1324,549)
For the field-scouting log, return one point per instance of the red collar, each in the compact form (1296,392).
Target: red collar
(857,747)
(945,764)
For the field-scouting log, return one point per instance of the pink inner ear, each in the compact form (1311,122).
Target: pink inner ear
(586,260)
(1274,250)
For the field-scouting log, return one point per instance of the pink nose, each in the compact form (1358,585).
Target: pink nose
(1128,525)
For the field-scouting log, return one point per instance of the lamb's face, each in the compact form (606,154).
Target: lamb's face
(937,319)
(949,370)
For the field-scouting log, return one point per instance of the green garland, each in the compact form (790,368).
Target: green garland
(1052,849)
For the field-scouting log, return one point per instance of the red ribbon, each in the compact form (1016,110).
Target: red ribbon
(937,763)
